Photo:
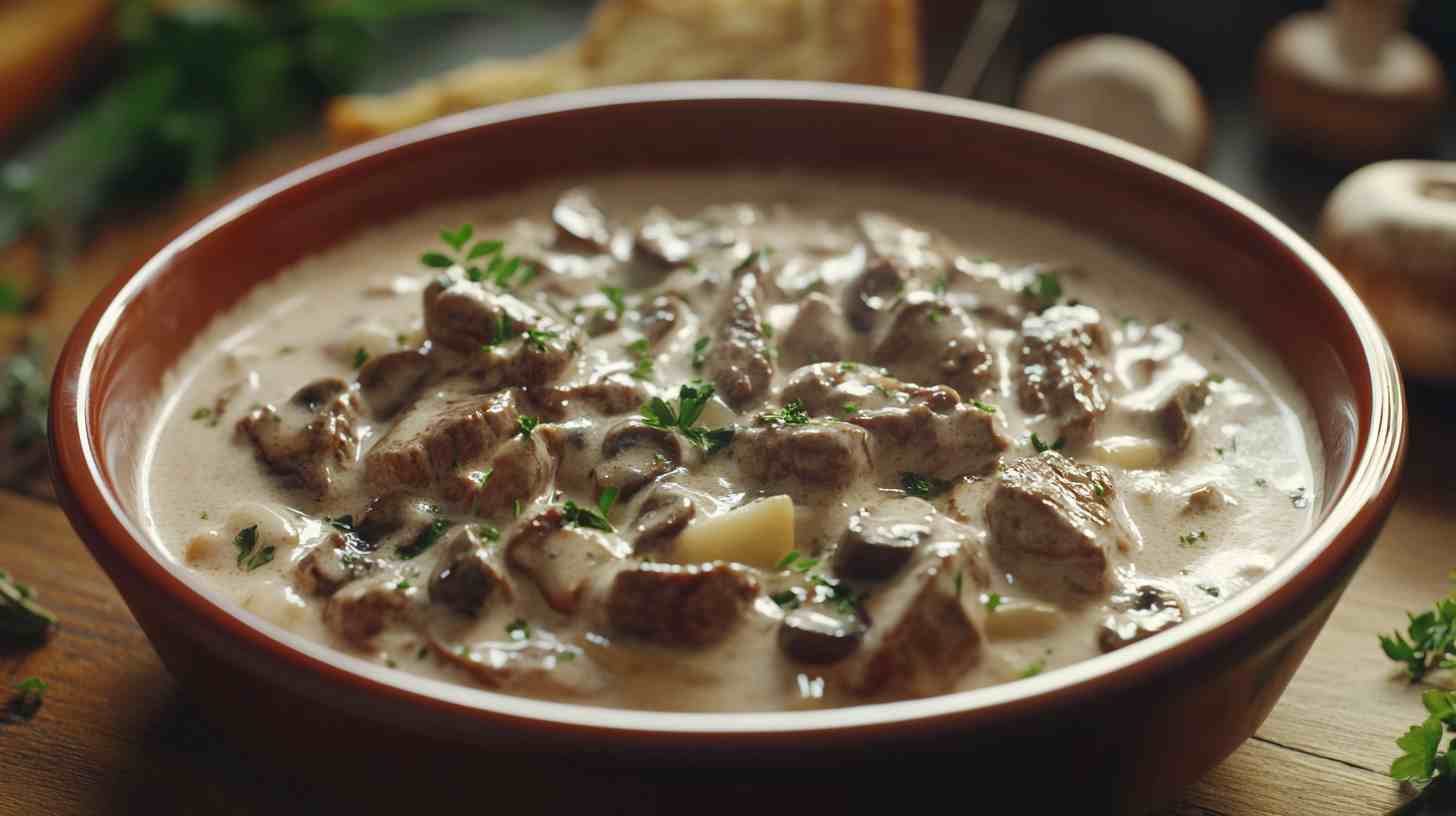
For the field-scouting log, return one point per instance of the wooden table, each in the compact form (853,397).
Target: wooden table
(116,733)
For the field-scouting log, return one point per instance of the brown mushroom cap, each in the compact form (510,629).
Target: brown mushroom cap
(1391,229)
(1124,87)
(1349,84)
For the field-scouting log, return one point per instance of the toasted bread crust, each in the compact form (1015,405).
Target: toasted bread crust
(41,44)
(628,41)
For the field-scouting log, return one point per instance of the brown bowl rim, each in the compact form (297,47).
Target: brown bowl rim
(1360,506)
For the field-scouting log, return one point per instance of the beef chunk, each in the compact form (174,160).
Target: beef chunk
(922,637)
(613,396)
(390,381)
(436,435)
(872,292)
(817,333)
(560,559)
(520,470)
(820,634)
(803,458)
(360,611)
(581,226)
(1060,373)
(680,605)
(664,514)
(943,444)
(930,341)
(738,360)
(1206,499)
(825,389)
(511,342)
(1139,612)
(468,575)
(333,562)
(659,317)
(880,540)
(665,240)
(1052,524)
(633,454)
(1175,417)
(310,437)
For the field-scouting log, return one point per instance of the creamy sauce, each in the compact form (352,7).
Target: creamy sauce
(1246,444)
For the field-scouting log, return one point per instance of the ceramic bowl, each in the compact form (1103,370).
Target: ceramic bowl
(1124,731)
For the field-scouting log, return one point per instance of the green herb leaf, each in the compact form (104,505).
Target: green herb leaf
(984,406)
(607,500)
(518,630)
(574,514)
(425,540)
(991,601)
(692,398)
(618,298)
(526,424)
(1042,447)
(1420,745)
(797,562)
(30,695)
(21,617)
(1045,289)
(360,358)
(791,414)
(537,339)
(923,487)
(642,351)
(700,352)
(437,260)
(747,262)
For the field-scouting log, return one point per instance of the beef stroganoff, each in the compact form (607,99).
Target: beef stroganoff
(730,441)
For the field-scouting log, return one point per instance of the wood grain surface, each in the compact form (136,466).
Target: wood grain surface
(117,735)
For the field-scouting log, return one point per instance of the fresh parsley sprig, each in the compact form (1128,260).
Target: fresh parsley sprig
(691,399)
(1432,639)
(793,413)
(484,261)
(1423,761)
(599,519)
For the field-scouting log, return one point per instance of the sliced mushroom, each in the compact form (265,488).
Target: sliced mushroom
(1139,612)
(633,454)
(820,634)
(880,540)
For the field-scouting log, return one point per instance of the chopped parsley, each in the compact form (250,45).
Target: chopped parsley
(250,555)
(747,262)
(617,296)
(922,486)
(837,593)
(938,287)
(1299,499)
(991,601)
(1192,539)
(1045,289)
(984,406)
(791,414)
(526,424)
(1033,670)
(1214,379)
(480,477)
(700,352)
(958,579)
(692,398)
(1042,447)
(848,367)
(849,408)
(1210,590)
(403,584)
(1261,482)
(360,357)
(518,630)
(201,414)
(425,540)
(641,351)
(786,600)
(574,514)
(29,696)
(796,562)
(498,268)
(489,532)
(20,615)
(537,339)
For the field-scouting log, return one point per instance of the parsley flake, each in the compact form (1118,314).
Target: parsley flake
(250,555)
(526,424)
(518,630)
(791,414)
(1042,447)
(692,398)
(1045,289)
(922,486)
(425,540)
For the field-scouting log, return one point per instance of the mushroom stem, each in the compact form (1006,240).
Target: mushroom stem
(1363,27)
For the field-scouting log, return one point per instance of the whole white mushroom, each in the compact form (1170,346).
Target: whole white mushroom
(1124,87)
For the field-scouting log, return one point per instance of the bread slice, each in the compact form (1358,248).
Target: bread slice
(42,46)
(627,41)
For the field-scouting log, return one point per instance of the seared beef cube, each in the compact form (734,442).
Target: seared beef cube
(1060,372)
(816,334)
(613,396)
(633,454)
(803,458)
(332,562)
(1139,612)
(660,317)
(832,389)
(391,514)
(930,341)
(468,575)
(881,539)
(561,559)
(820,634)
(360,611)
(739,362)
(680,605)
(465,315)
(390,381)
(580,224)
(1052,524)
(308,438)
(922,637)
(666,240)
(664,514)
(520,470)
(942,444)
(437,435)
(873,292)
(1175,417)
